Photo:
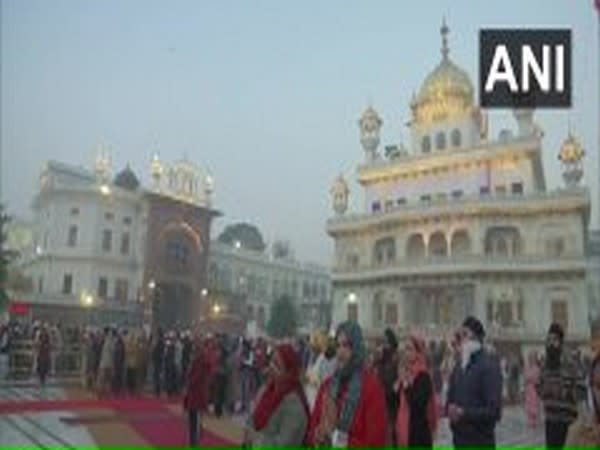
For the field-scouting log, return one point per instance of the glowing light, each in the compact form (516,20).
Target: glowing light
(152,284)
(352,297)
(204,292)
(216,308)
(238,245)
(104,189)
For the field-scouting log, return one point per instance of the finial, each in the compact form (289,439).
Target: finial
(444,30)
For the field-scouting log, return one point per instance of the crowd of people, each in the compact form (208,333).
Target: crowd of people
(341,389)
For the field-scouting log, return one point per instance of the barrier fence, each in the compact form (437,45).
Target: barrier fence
(66,361)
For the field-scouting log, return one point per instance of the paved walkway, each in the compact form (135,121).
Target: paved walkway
(39,430)
(103,424)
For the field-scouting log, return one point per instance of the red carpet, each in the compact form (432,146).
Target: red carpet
(150,418)
(170,430)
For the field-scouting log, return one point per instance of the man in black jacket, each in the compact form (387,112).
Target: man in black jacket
(475,391)
(561,387)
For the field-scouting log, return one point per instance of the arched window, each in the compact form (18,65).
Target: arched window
(440,141)
(415,247)
(502,241)
(426,144)
(501,246)
(461,243)
(384,251)
(456,138)
(438,245)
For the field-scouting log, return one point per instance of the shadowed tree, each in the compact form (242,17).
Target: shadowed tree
(283,319)
(246,234)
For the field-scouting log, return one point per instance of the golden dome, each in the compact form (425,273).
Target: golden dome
(571,150)
(446,92)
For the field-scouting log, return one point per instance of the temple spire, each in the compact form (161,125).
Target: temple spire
(444,30)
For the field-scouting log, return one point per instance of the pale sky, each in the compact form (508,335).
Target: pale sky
(265,94)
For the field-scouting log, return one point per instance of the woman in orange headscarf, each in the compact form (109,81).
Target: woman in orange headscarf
(417,417)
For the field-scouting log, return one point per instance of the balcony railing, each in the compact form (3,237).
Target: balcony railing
(450,205)
(470,263)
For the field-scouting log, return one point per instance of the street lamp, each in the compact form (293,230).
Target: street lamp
(352,297)
(216,309)
(88,300)
(105,190)
(152,284)
(204,292)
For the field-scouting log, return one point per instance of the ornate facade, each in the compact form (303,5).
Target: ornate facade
(107,250)
(461,223)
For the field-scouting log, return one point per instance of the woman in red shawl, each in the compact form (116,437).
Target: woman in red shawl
(195,399)
(417,413)
(281,414)
(350,409)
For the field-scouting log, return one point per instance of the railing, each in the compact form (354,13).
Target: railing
(467,263)
(451,204)
(66,361)
(487,147)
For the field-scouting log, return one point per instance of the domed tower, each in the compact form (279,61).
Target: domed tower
(339,195)
(126,179)
(571,156)
(370,126)
(444,114)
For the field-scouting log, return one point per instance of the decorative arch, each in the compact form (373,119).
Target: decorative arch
(455,138)
(384,250)
(438,247)
(426,144)
(185,228)
(503,241)
(415,247)
(553,240)
(440,141)
(461,243)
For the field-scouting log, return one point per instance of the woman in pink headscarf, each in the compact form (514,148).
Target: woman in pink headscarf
(417,418)
(532,399)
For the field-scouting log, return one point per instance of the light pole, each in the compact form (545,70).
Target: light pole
(150,302)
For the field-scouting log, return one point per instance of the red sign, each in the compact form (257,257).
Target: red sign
(19,308)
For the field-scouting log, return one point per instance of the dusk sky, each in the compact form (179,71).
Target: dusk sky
(265,94)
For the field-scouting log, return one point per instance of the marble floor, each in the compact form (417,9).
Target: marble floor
(40,430)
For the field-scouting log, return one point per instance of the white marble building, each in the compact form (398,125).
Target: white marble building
(89,235)
(459,222)
(256,279)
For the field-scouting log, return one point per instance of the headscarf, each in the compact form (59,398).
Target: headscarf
(351,373)
(276,390)
(415,368)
